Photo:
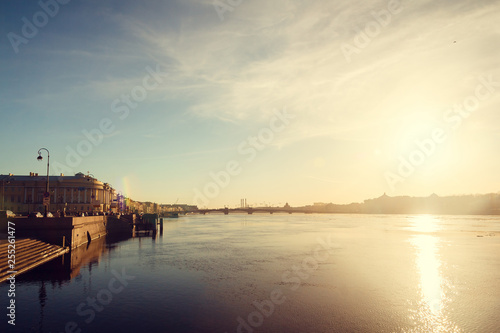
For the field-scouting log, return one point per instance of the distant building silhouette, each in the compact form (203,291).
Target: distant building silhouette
(433,204)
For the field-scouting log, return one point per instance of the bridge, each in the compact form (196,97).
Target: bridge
(250,210)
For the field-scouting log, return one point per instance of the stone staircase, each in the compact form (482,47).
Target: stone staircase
(29,254)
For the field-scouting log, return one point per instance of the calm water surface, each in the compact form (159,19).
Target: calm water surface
(274,273)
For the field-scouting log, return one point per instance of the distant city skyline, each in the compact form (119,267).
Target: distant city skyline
(275,102)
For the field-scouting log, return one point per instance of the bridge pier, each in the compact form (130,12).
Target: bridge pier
(251,210)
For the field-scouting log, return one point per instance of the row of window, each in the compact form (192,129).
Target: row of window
(74,208)
(60,190)
(7,189)
(13,198)
(60,199)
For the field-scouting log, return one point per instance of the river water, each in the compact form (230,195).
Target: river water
(274,273)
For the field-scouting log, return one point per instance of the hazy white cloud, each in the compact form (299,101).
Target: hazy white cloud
(288,54)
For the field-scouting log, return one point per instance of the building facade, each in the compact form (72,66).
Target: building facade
(72,194)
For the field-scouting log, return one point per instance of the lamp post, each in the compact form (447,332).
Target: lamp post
(91,177)
(46,194)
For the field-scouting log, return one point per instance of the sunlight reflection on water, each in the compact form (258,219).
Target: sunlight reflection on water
(431,313)
(425,223)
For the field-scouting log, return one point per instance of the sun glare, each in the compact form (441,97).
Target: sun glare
(424,223)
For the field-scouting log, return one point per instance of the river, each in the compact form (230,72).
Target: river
(273,273)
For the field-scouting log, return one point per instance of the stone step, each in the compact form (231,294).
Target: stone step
(29,254)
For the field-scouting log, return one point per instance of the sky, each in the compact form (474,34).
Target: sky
(207,102)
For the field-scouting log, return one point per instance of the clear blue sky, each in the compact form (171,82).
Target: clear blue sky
(179,88)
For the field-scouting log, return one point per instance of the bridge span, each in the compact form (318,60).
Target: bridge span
(251,210)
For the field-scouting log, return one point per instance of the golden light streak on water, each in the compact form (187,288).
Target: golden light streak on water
(430,315)
(425,223)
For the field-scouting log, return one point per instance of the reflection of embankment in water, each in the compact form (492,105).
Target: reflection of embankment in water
(86,254)
(111,239)
(68,266)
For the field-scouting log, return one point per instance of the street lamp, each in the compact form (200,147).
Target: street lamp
(91,177)
(46,194)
